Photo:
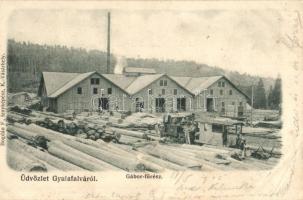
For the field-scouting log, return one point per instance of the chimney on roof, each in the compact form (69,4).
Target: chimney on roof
(108,44)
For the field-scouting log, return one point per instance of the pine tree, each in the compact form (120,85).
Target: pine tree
(260,96)
(277,94)
(270,98)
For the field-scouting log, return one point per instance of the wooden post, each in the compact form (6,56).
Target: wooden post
(108,43)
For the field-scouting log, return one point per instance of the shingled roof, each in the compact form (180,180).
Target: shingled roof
(57,83)
(55,80)
(198,84)
(132,85)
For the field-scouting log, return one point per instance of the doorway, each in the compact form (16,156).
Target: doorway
(103,103)
(139,105)
(181,104)
(210,105)
(160,105)
(240,111)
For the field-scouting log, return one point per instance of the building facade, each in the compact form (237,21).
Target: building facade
(215,94)
(146,93)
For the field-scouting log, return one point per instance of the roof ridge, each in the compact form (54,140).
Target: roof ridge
(79,74)
(131,83)
(63,83)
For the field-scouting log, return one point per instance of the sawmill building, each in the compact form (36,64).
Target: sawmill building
(215,94)
(149,92)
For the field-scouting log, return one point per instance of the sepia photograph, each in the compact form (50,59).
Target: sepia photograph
(151,100)
(143,91)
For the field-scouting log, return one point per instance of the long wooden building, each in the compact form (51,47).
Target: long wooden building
(92,91)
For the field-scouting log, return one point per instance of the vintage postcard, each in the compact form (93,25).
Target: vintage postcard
(151,100)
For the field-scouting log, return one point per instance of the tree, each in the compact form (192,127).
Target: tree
(260,96)
(277,94)
(270,98)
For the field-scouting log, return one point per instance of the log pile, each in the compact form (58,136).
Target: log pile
(45,142)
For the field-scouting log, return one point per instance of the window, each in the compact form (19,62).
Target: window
(240,103)
(221,92)
(219,84)
(230,92)
(175,91)
(165,82)
(211,92)
(94,81)
(79,90)
(223,107)
(150,91)
(95,90)
(233,103)
(163,91)
(161,82)
(223,84)
(109,90)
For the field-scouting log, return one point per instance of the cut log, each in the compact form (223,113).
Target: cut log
(169,156)
(136,134)
(128,164)
(20,162)
(61,153)
(274,151)
(49,134)
(124,139)
(26,134)
(202,154)
(93,163)
(163,163)
(100,144)
(44,156)
(209,162)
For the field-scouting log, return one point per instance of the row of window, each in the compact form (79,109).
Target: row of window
(109,91)
(163,82)
(221,92)
(221,84)
(95,90)
(232,103)
(163,91)
(95,81)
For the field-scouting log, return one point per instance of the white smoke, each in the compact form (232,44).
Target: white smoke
(121,63)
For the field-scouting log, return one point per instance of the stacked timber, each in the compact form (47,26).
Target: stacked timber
(72,150)
(44,156)
(163,154)
(21,162)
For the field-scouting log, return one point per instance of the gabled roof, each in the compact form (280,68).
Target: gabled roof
(141,82)
(56,80)
(77,79)
(56,83)
(198,84)
(120,80)
(139,70)
(132,85)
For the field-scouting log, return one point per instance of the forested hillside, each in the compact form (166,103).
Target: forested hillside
(26,61)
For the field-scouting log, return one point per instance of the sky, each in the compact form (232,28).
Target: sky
(247,41)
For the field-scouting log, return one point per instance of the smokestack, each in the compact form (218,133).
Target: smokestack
(108,43)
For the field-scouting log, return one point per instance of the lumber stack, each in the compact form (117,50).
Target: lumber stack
(50,142)
(41,155)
